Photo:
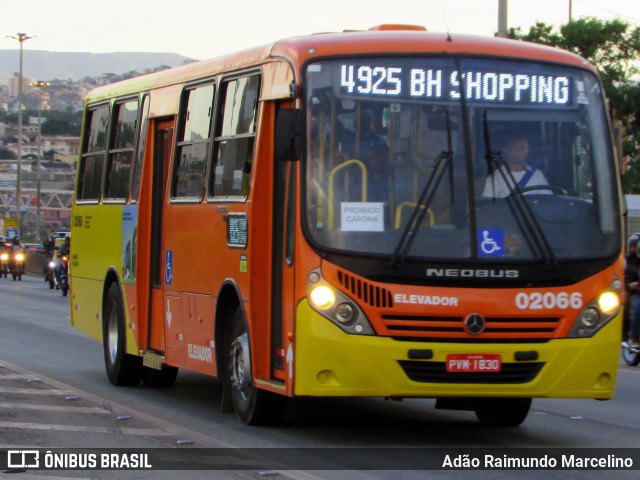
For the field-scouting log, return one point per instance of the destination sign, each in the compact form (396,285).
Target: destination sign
(413,82)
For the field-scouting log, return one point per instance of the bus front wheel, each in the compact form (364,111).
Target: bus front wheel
(253,406)
(502,412)
(123,369)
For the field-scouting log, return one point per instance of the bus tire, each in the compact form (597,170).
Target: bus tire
(253,406)
(502,412)
(123,369)
(164,378)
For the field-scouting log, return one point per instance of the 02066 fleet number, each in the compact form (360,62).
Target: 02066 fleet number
(548,300)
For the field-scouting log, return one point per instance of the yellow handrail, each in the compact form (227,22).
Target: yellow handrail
(332,175)
(398,222)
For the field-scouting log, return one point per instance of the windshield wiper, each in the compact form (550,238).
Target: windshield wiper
(523,213)
(443,163)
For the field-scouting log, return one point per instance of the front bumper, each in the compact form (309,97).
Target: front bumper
(330,362)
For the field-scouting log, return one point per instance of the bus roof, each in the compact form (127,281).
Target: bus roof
(383,39)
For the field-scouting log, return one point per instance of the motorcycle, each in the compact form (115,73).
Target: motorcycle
(631,355)
(18,265)
(62,283)
(49,274)
(4,264)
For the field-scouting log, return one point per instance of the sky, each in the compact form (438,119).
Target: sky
(207,28)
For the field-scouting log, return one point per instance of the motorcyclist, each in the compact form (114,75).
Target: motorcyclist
(48,245)
(632,286)
(17,246)
(5,247)
(63,250)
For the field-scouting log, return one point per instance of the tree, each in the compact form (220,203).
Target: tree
(613,47)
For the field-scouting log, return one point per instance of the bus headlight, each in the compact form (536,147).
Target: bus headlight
(589,317)
(334,305)
(345,313)
(609,302)
(598,312)
(322,297)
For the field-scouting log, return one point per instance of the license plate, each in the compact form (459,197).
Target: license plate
(474,362)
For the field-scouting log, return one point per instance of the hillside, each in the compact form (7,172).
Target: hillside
(44,65)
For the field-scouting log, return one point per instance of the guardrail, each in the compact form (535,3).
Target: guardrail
(35,263)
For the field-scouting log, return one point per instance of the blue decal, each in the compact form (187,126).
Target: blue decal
(129,238)
(168,272)
(490,242)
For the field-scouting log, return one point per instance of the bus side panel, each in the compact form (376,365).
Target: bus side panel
(195,240)
(96,229)
(86,310)
(174,352)
(197,324)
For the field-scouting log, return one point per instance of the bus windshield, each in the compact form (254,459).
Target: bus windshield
(463,159)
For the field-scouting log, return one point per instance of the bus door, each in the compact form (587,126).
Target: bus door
(159,267)
(282,306)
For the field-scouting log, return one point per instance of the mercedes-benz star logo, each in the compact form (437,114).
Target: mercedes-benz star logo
(474,323)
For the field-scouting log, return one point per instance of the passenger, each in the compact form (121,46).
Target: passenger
(516,154)
(368,137)
(377,162)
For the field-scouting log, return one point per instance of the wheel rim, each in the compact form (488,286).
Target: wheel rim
(241,366)
(112,335)
(628,355)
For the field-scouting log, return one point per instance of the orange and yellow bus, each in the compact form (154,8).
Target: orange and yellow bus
(326,216)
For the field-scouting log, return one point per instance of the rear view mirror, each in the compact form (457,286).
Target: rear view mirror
(288,135)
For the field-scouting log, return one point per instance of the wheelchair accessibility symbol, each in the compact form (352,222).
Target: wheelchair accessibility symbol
(491,242)
(168,269)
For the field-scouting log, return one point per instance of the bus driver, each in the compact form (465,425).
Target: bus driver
(516,153)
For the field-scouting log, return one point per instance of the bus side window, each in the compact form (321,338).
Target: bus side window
(139,156)
(235,139)
(93,154)
(193,142)
(120,155)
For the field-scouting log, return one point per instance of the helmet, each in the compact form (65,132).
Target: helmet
(633,240)
(16,240)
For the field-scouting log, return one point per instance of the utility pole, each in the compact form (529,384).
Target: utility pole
(39,85)
(502,18)
(20,37)
(570,8)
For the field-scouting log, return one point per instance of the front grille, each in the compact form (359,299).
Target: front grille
(440,328)
(435,372)
(369,294)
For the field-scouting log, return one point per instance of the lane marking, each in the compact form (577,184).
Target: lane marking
(34,391)
(81,428)
(53,408)
(164,427)
(16,376)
